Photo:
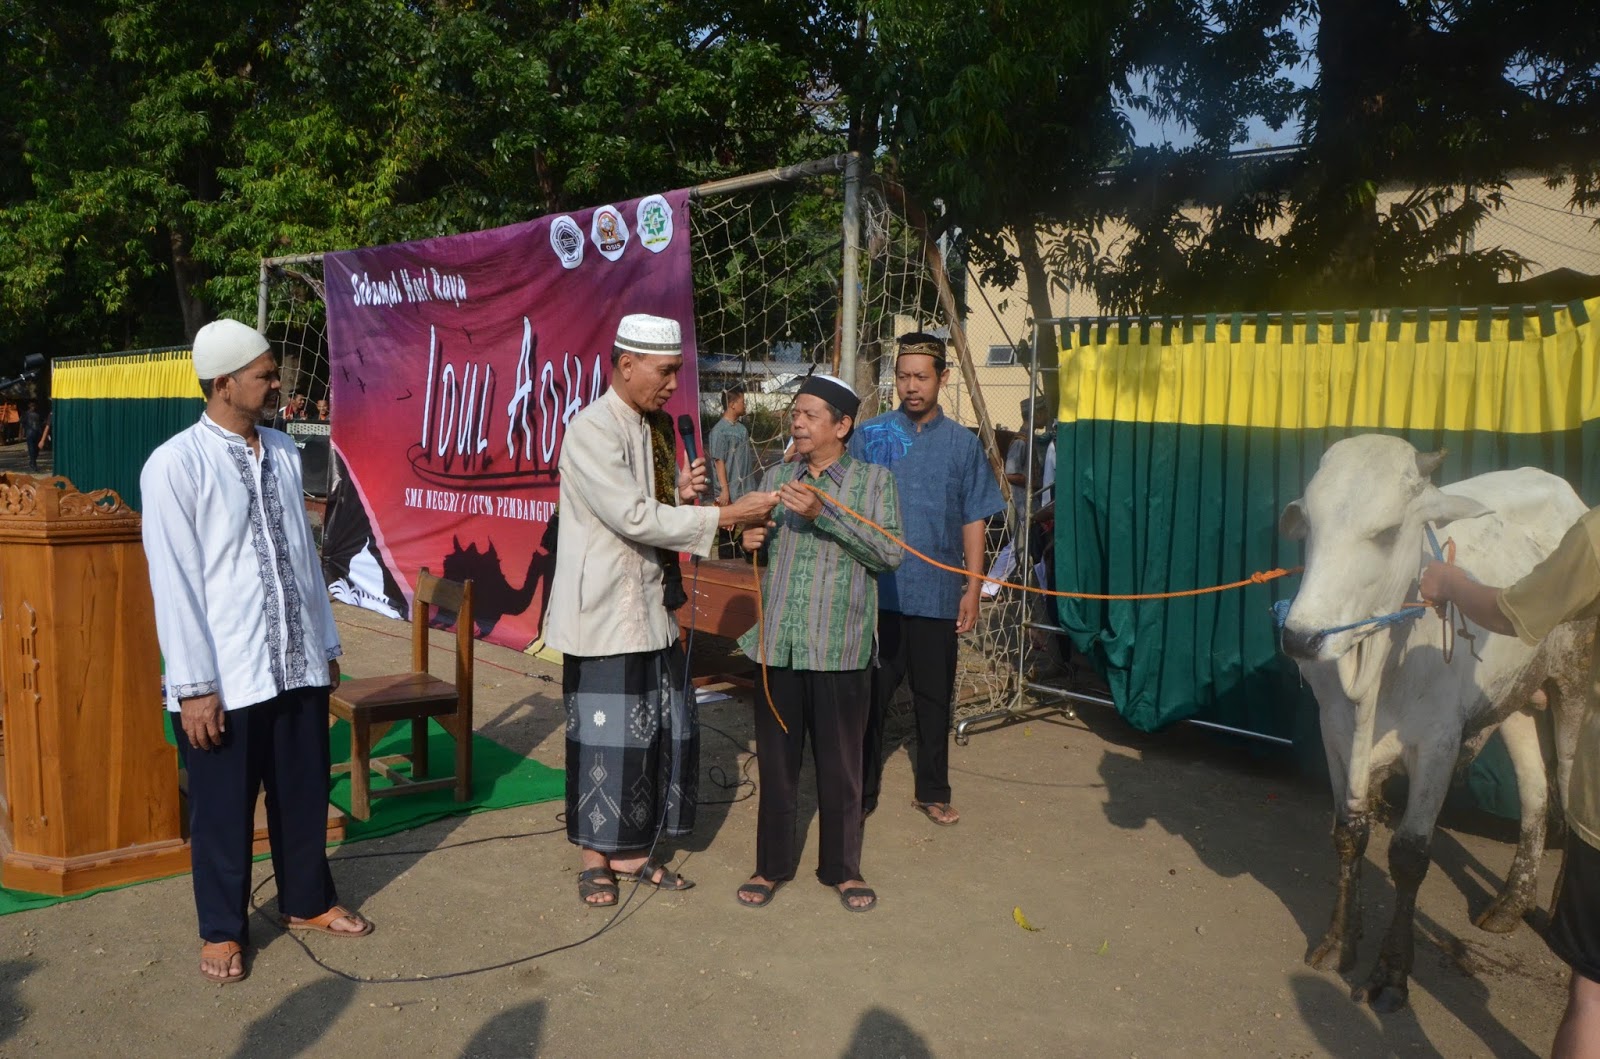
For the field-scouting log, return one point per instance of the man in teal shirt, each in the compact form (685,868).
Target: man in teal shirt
(947,493)
(816,641)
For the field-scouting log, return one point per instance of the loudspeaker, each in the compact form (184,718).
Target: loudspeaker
(314,464)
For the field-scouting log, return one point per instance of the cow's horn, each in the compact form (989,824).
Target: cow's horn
(1428,462)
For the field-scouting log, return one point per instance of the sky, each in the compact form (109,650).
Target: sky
(1149,133)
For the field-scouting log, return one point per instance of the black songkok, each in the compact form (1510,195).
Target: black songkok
(835,391)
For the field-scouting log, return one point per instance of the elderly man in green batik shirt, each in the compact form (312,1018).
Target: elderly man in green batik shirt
(817,640)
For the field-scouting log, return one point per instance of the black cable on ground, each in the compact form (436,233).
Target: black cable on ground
(743,782)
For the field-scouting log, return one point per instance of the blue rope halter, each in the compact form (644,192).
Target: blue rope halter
(1280,609)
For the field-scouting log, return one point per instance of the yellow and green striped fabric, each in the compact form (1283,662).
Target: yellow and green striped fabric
(1180,441)
(110,412)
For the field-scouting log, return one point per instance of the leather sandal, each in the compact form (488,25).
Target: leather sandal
(945,808)
(323,924)
(213,950)
(597,882)
(858,891)
(761,891)
(665,880)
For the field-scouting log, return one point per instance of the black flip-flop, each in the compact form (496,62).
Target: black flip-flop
(596,881)
(766,893)
(858,891)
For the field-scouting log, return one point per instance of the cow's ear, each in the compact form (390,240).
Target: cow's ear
(1442,508)
(1293,523)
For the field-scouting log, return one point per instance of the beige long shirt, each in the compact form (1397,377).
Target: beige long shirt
(605,598)
(1566,587)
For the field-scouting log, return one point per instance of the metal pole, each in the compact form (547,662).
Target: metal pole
(261,299)
(838,163)
(850,287)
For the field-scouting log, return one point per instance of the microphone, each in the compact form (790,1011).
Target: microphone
(686,431)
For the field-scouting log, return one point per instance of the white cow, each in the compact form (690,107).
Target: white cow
(1387,697)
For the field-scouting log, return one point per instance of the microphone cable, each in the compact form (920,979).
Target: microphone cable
(744,782)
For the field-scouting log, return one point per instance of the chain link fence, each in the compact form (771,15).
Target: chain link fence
(774,302)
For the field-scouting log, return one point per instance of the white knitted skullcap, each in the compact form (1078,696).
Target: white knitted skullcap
(224,346)
(641,333)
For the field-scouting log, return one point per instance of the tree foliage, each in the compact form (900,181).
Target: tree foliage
(150,153)
(1420,113)
(157,151)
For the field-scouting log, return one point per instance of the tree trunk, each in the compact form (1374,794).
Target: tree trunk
(188,275)
(1039,308)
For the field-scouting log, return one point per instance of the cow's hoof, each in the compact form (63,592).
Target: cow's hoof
(1384,999)
(1502,917)
(1333,954)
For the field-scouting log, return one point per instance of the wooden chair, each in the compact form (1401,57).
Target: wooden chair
(372,704)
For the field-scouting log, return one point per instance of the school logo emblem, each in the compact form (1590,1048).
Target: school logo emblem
(609,232)
(654,223)
(566,238)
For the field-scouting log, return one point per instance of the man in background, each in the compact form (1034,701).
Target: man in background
(33,433)
(947,494)
(732,456)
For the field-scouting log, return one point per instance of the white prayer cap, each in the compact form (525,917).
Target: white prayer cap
(224,346)
(641,333)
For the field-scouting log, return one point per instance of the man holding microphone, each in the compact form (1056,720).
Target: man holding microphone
(632,741)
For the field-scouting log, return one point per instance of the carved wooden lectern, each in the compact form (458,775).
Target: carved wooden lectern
(90,782)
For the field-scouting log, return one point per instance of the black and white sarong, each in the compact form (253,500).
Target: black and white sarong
(633,749)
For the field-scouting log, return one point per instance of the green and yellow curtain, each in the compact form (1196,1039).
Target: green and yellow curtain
(109,413)
(1180,441)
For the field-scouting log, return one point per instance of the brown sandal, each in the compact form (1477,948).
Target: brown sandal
(212,950)
(323,924)
(944,808)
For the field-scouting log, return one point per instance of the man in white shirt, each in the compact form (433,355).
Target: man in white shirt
(632,742)
(249,645)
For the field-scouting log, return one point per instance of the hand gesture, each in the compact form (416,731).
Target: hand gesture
(755,536)
(967,611)
(692,480)
(203,721)
(1440,584)
(750,508)
(805,502)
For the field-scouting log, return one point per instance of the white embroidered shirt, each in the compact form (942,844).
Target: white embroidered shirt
(241,606)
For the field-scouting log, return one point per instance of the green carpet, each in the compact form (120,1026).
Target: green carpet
(501,779)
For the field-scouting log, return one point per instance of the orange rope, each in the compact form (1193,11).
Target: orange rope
(761,642)
(1258,578)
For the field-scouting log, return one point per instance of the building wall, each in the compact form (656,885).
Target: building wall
(1536,222)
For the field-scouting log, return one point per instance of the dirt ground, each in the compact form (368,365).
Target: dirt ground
(1176,885)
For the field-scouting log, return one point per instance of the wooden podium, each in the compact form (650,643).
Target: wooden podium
(90,784)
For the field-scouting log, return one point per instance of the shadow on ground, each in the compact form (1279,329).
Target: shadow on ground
(298,1022)
(882,1034)
(515,1032)
(1245,815)
(13,1012)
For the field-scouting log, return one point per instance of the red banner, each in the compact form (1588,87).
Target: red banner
(455,364)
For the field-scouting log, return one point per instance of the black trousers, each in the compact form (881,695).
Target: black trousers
(833,708)
(283,744)
(33,451)
(922,650)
